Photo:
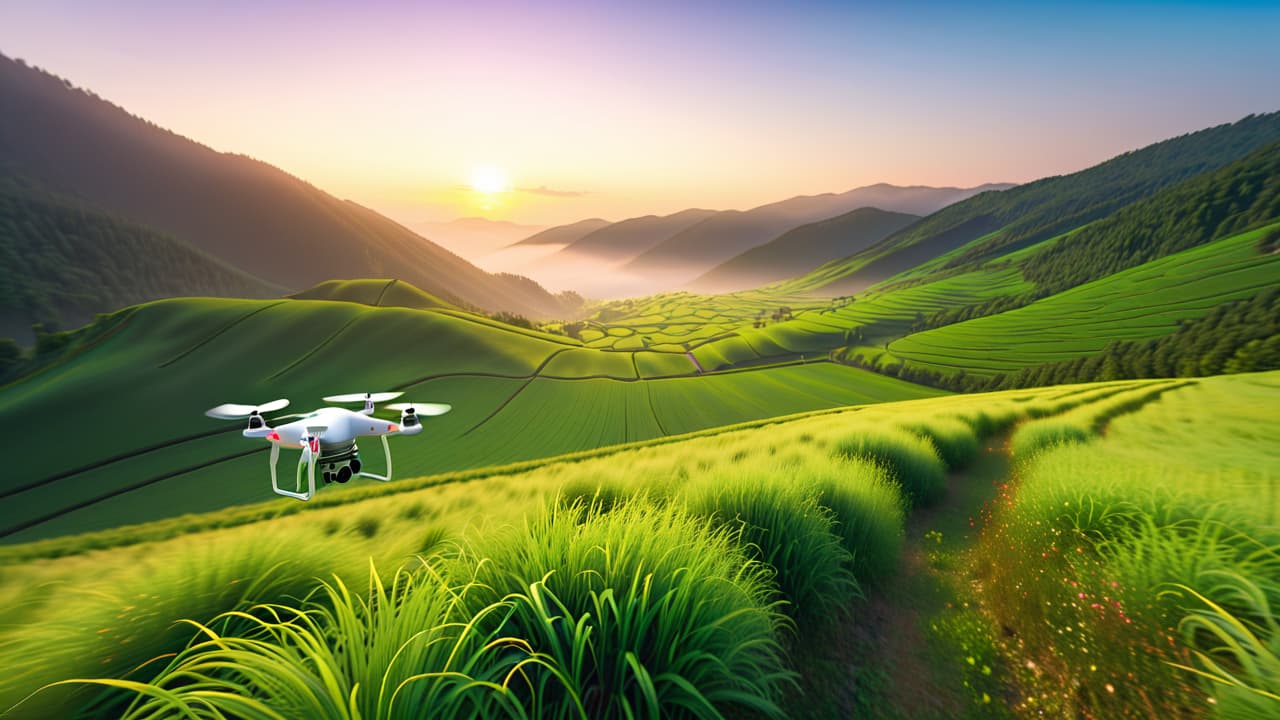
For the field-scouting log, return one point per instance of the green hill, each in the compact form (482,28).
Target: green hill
(992,224)
(155,368)
(62,262)
(378,293)
(802,249)
(1143,302)
(247,213)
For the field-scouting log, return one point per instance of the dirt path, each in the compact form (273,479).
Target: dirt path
(901,654)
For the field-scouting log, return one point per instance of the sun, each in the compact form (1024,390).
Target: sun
(488,180)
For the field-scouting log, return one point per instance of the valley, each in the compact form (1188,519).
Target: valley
(724,412)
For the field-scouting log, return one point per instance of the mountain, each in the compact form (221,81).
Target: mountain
(994,224)
(473,237)
(624,240)
(61,263)
(564,234)
(701,247)
(247,213)
(802,249)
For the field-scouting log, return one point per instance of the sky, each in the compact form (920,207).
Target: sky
(567,110)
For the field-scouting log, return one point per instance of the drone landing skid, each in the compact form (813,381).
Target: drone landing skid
(386,451)
(308,460)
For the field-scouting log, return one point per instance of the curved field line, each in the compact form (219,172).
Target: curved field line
(378,302)
(220,331)
(120,491)
(319,346)
(513,395)
(648,391)
(114,459)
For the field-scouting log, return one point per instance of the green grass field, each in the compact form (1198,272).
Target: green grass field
(785,523)
(517,395)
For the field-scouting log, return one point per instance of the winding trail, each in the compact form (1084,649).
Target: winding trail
(885,659)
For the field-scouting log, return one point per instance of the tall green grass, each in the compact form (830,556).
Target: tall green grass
(121,625)
(955,440)
(642,611)
(910,459)
(399,652)
(1146,572)
(779,519)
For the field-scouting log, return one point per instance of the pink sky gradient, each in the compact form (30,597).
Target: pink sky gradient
(658,108)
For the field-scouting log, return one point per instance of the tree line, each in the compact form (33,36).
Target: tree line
(1240,336)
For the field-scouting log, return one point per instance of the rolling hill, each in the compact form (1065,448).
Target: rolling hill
(802,249)
(517,395)
(246,213)
(699,248)
(992,224)
(62,262)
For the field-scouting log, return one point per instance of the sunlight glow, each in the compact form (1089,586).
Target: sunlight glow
(488,180)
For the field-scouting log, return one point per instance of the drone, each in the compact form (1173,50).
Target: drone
(327,436)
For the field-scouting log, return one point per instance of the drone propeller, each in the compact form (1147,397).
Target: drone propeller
(364,397)
(235,411)
(422,408)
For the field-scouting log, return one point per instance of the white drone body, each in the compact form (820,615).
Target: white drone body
(327,437)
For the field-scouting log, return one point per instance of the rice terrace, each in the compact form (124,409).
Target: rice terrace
(604,360)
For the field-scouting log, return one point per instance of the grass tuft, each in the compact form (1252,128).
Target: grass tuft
(910,459)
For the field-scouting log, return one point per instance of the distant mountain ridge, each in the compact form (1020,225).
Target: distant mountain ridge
(624,240)
(701,247)
(249,214)
(802,249)
(1027,214)
(564,234)
(657,253)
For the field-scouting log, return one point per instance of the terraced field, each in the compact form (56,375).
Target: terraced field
(1143,302)
(517,395)
(678,322)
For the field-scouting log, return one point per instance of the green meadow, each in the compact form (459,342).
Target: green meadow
(518,394)
(698,574)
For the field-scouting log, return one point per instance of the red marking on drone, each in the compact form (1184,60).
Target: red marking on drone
(315,444)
